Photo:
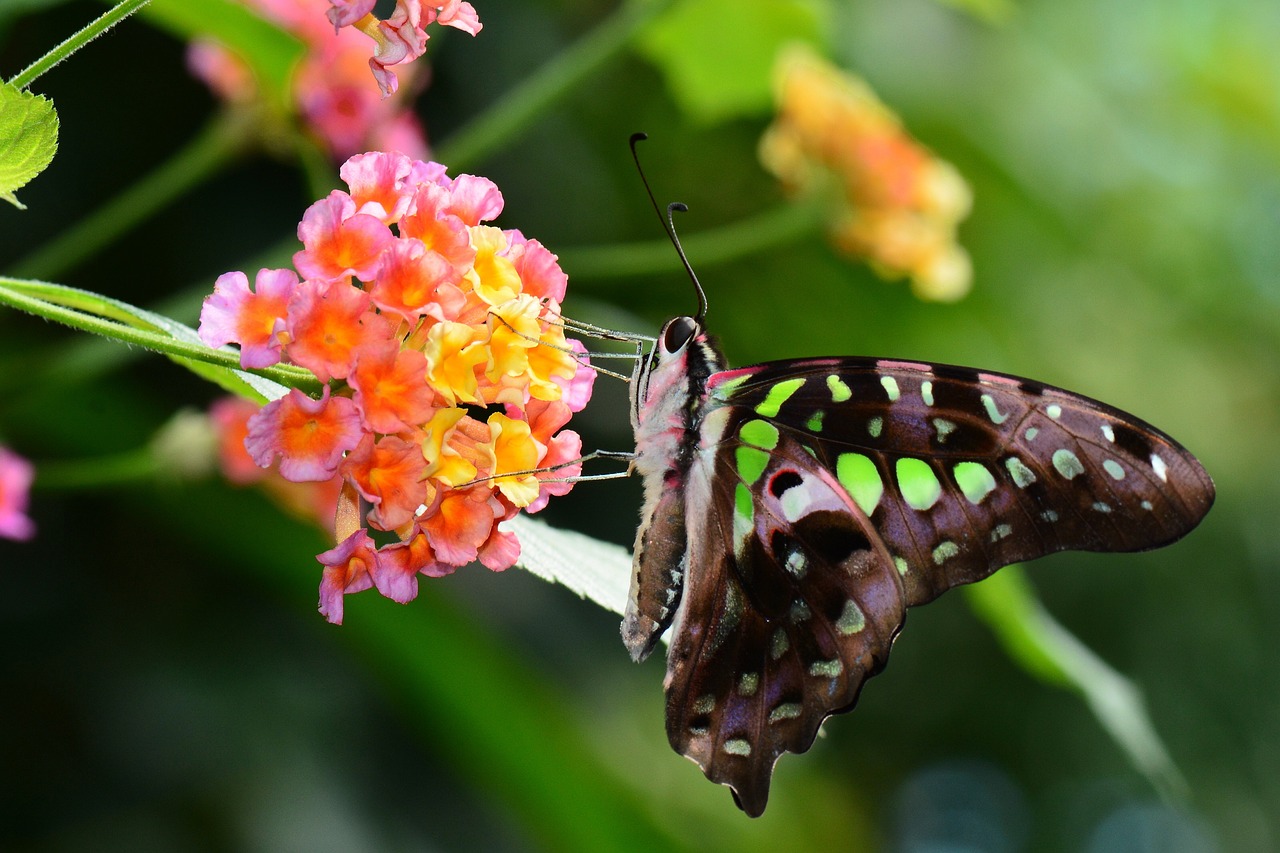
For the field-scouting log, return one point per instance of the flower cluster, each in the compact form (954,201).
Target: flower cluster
(16,475)
(899,204)
(331,88)
(447,376)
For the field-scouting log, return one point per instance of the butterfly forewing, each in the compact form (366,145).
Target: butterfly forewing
(796,606)
(962,471)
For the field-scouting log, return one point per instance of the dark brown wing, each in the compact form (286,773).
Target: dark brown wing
(964,471)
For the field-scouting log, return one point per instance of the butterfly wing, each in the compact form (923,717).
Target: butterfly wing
(794,605)
(964,471)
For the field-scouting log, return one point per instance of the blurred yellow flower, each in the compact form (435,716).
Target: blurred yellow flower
(899,204)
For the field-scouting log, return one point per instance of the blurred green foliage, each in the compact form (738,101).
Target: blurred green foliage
(169,685)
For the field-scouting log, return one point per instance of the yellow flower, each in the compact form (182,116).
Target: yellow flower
(494,278)
(444,463)
(514,449)
(453,351)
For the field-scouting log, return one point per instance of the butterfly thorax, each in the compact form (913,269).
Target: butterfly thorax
(668,395)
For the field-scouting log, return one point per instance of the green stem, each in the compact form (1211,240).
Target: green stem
(219,141)
(94,29)
(523,103)
(769,229)
(89,312)
(130,466)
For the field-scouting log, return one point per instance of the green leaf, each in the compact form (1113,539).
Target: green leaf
(91,312)
(717,55)
(28,138)
(1008,604)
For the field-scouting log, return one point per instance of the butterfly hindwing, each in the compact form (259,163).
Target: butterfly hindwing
(796,605)
(963,471)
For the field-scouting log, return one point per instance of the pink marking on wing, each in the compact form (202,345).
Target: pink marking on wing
(886,364)
(997,379)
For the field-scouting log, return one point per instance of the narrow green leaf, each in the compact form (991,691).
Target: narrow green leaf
(101,315)
(717,55)
(1008,604)
(28,138)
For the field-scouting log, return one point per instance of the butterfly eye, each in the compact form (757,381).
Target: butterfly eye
(678,333)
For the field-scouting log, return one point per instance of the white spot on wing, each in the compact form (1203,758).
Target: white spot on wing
(1158,465)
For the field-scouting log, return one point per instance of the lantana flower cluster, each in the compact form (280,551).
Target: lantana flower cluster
(447,376)
(899,204)
(333,94)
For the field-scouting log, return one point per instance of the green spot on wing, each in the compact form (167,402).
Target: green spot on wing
(1021,474)
(778,394)
(786,711)
(839,391)
(945,551)
(989,404)
(851,620)
(751,462)
(725,389)
(1067,463)
(828,668)
(926,392)
(875,426)
(760,434)
(814,424)
(860,479)
(890,386)
(974,480)
(917,482)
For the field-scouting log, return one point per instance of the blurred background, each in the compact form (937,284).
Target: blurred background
(167,683)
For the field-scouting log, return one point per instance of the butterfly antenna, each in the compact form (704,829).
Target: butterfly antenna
(668,225)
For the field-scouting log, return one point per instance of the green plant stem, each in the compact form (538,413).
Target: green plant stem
(95,28)
(89,312)
(216,144)
(768,229)
(524,102)
(130,466)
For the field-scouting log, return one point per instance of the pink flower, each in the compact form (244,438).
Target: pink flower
(538,268)
(340,242)
(254,320)
(348,568)
(458,15)
(310,436)
(16,475)
(474,200)
(379,184)
(328,323)
(346,12)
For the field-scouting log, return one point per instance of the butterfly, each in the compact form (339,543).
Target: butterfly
(795,509)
